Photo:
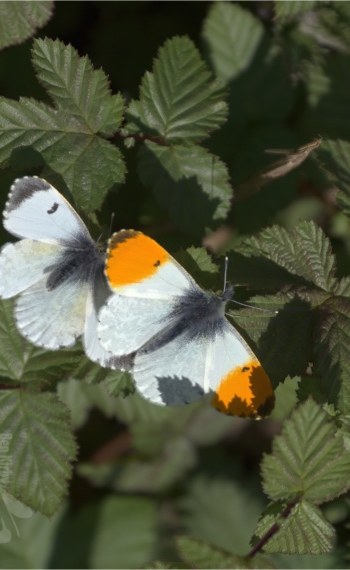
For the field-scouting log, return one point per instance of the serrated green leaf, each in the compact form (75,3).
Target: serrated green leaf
(221,512)
(304,531)
(307,459)
(199,264)
(22,361)
(231,36)
(20,20)
(189,183)
(65,141)
(284,341)
(76,88)
(288,10)
(332,350)
(125,533)
(201,555)
(41,448)
(119,383)
(335,158)
(304,252)
(180,101)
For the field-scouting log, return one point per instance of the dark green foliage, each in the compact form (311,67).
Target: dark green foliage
(223,125)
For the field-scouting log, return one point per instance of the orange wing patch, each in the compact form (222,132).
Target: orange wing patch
(131,257)
(246,392)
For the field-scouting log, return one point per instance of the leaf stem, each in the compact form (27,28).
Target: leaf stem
(275,527)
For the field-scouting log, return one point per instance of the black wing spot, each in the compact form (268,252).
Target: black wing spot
(157,263)
(53,208)
(245,368)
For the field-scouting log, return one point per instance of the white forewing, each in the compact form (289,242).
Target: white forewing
(36,210)
(127,322)
(23,263)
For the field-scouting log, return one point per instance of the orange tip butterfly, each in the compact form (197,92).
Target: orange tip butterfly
(183,345)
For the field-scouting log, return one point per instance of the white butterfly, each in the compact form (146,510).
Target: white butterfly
(55,268)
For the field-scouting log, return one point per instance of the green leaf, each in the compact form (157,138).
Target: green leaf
(41,448)
(231,37)
(305,252)
(221,512)
(332,350)
(307,460)
(201,555)
(288,10)
(199,264)
(22,361)
(284,341)
(30,541)
(180,101)
(76,88)
(189,183)
(125,533)
(64,136)
(286,398)
(80,397)
(304,531)
(20,20)
(335,158)
(328,97)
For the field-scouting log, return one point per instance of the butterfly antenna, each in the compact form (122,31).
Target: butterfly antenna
(252,307)
(225,273)
(111,225)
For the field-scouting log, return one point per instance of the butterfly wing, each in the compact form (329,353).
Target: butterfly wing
(96,299)
(190,366)
(146,282)
(23,264)
(36,210)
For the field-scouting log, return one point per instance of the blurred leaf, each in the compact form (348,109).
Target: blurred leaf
(125,533)
(328,97)
(221,512)
(307,459)
(20,20)
(66,137)
(180,101)
(335,158)
(304,531)
(293,158)
(31,543)
(41,448)
(80,397)
(231,37)
(189,183)
(287,10)
(201,555)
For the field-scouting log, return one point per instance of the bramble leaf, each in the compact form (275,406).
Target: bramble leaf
(180,101)
(41,448)
(191,184)
(68,137)
(307,459)
(304,531)
(20,20)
